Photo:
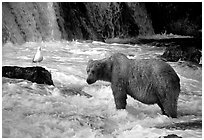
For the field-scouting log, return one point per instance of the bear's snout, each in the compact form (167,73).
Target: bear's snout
(89,81)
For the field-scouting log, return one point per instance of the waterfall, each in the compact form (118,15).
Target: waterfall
(54,32)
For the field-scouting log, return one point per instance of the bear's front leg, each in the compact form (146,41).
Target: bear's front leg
(120,96)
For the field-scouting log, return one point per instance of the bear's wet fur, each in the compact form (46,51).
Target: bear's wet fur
(148,81)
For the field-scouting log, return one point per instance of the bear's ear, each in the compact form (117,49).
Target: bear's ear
(90,61)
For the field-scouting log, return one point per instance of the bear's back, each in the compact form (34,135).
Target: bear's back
(120,63)
(152,66)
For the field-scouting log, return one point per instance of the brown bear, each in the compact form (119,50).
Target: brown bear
(148,81)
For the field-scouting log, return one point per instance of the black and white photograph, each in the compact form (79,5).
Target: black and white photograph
(101,69)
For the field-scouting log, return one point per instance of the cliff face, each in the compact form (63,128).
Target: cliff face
(183,18)
(24,22)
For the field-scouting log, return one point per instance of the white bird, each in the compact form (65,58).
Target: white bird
(38,56)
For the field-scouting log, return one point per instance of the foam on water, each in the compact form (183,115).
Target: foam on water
(33,110)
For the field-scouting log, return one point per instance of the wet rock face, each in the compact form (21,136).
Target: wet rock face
(34,74)
(24,22)
(37,21)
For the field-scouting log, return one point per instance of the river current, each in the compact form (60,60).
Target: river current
(64,110)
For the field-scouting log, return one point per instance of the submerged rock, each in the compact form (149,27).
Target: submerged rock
(34,74)
(193,125)
(73,91)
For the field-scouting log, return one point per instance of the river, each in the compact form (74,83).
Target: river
(34,110)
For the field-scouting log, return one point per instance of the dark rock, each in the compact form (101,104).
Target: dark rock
(34,74)
(175,53)
(171,136)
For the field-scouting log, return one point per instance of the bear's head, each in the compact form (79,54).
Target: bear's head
(94,71)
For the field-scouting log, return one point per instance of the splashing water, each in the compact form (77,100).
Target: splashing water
(34,110)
